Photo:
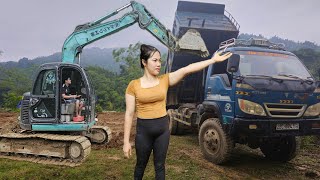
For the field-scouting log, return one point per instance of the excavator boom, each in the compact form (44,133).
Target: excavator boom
(87,33)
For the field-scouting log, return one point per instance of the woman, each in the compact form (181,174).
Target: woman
(147,95)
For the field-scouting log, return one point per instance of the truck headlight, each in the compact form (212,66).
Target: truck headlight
(251,107)
(313,110)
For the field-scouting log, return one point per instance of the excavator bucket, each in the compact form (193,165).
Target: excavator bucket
(192,42)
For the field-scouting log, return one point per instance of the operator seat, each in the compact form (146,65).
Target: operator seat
(67,111)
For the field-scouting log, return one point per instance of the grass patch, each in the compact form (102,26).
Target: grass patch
(184,161)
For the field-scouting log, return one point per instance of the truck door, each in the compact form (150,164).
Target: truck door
(219,90)
(43,102)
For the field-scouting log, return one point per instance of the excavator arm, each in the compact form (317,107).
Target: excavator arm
(87,33)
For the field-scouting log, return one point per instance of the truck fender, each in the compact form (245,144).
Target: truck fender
(208,110)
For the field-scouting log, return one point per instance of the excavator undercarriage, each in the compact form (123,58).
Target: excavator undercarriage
(44,148)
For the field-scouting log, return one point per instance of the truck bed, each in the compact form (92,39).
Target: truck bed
(215,25)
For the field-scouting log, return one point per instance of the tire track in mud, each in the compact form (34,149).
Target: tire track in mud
(222,170)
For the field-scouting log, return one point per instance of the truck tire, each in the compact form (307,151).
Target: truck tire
(173,124)
(215,144)
(282,149)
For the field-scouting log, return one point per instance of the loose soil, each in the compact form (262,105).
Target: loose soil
(245,161)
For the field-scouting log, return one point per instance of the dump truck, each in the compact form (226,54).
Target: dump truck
(262,96)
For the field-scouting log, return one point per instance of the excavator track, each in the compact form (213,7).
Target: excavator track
(54,149)
(100,134)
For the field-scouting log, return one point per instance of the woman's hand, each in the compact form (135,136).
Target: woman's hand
(127,150)
(219,58)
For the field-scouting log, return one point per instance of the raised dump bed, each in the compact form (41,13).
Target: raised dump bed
(215,25)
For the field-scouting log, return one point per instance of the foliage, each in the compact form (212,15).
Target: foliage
(14,80)
(13,83)
(109,84)
(105,87)
(11,100)
(311,58)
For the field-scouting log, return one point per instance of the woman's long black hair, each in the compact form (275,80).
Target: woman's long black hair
(146,51)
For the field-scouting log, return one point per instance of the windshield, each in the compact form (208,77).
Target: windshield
(271,64)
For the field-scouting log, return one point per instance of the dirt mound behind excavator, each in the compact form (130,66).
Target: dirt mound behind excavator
(8,122)
(115,121)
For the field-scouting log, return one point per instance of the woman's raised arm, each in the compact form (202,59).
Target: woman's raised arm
(178,75)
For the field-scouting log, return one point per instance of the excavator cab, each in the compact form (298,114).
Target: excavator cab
(44,109)
(45,119)
(69,107)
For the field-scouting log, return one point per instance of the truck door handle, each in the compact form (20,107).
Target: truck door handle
(209,90)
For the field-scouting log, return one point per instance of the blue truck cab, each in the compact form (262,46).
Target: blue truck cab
(263,96)
(271,94)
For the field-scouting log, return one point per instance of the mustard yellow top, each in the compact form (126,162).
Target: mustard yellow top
(150,102)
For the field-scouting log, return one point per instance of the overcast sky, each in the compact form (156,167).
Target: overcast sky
(33,28)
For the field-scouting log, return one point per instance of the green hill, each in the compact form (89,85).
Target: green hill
(90,57)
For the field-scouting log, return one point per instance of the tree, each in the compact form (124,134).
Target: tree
(129,69)
(129,59)
(311,58)
(11,100)
(15,80)
(13,83)
(1,52)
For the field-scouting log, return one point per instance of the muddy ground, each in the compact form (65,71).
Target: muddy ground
(307,163)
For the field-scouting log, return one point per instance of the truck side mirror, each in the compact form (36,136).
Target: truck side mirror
(233,63)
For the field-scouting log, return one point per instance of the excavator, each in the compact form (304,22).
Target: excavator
(49,134)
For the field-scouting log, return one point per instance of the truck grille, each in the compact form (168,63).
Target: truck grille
(285,110)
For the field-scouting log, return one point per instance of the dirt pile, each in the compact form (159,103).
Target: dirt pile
(115,121)
(8,122)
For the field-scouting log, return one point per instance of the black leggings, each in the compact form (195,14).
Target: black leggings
(152,134)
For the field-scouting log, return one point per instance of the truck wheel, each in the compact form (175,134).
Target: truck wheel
(215,144)
(281,149)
